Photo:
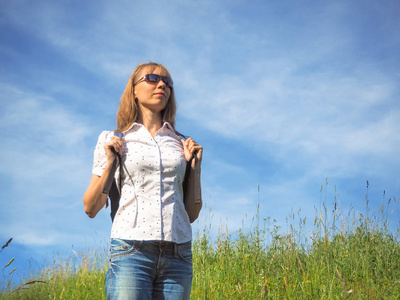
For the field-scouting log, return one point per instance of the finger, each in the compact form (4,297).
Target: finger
(118,146)
(191,149)
(193,145)
(190,142)
(197,149)
(199,153)
(115,145)
(184,143)
(116,142)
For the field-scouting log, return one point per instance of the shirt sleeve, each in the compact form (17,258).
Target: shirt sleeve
(99,156)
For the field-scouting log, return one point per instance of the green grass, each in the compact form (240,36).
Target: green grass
(79,277)
(363,263)
(353,256)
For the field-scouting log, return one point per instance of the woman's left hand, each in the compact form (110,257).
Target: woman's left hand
(190,147)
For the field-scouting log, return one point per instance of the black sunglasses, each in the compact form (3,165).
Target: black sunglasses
(156,78)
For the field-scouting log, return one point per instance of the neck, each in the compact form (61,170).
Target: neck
(151,121)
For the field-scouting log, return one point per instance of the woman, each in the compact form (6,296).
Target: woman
(150,253)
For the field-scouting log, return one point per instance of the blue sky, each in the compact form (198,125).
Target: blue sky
(281,94)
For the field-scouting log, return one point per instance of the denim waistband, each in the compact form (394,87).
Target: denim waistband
(159,245)
(165,246)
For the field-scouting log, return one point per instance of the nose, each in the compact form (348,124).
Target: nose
(161,84)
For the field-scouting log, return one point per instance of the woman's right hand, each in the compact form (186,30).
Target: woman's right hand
(115,144)
(94,198)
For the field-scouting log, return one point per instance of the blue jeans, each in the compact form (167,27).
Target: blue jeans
(149,270)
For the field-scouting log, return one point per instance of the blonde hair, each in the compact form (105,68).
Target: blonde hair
(128,110)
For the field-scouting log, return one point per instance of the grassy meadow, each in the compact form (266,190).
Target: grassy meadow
(345,255)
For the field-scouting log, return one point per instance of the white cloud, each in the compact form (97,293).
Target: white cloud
(41,133)
(314,116)
(43,161)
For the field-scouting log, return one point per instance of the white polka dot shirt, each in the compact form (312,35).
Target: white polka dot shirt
(151,205)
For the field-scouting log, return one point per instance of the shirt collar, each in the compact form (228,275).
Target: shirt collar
(167,124)
(135,124)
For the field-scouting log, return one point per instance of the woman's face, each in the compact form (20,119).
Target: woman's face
(152,95)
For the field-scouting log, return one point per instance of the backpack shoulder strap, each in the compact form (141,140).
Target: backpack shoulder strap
(114,193)
(114,199)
